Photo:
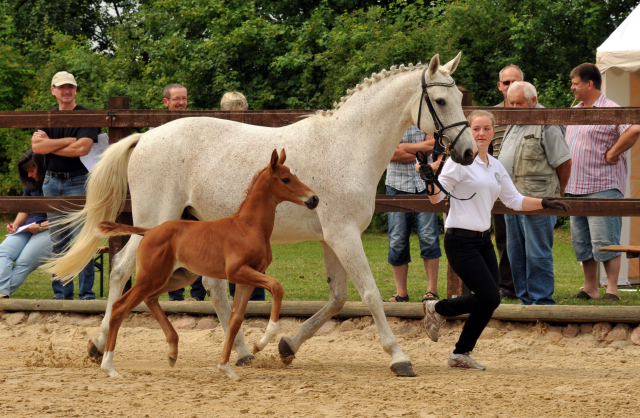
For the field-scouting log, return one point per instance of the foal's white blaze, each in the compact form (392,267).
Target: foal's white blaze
(107,364)
(226,369)
(270,333)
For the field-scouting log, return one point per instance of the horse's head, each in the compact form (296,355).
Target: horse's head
(287,186)
(440,111)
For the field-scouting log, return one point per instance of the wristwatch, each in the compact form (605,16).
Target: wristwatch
(40,228)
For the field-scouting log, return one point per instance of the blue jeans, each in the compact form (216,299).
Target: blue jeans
(529,245)
(198,292)
(21,254)
(400,230)
(60,239)
(589,233)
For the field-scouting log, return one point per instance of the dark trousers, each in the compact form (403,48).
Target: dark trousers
(198,291)
(257,294)
(474,260)
(504,267)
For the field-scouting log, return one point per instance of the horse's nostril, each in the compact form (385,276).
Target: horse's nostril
(468,155)
(312,202)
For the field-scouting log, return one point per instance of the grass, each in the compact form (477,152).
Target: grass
(300,268)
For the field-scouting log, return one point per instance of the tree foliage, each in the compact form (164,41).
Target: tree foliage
(281,53)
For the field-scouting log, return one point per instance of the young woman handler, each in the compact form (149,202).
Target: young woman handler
(467,240)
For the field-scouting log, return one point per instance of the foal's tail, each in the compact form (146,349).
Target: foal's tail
(112,229)
(106,196)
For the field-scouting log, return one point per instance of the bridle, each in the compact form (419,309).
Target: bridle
(426,173)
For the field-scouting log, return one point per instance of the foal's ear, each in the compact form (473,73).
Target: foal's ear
(283,156)
(434,65)
(453,64)
(274,159)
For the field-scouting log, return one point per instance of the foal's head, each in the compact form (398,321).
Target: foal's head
(285,186)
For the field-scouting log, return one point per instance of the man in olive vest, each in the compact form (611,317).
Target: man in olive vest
(538,160)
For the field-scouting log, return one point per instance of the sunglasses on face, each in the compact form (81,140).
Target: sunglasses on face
(506,83)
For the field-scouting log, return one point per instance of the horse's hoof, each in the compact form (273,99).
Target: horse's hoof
(403,369)
(93,351)
(172,361)
(286,353)
(245,361)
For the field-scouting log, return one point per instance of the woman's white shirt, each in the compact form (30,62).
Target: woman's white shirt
(487,181)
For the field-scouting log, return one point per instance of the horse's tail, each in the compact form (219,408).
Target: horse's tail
(106,195)
(112,229)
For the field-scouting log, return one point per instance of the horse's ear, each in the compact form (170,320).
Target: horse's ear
(434,65)
(283,157)
(453,64)
(274,159)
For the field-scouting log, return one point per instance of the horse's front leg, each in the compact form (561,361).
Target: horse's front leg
(347,245)
(337,280)
(217,290)
(240,300)
(123,265)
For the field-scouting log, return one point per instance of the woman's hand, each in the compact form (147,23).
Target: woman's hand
(11,229)
(34,229)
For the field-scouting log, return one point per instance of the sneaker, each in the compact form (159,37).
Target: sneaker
(432,320)
(464,361)
(507,294)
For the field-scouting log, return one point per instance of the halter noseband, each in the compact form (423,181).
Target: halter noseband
(426,173)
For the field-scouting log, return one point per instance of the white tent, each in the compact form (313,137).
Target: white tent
(618,59)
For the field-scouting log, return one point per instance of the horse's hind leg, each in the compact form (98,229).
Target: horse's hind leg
(169,332)
(120,310)
(240,300)
(217,290)
(337,280)
(123,265)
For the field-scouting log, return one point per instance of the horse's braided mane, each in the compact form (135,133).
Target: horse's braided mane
(250,187)
(374,78)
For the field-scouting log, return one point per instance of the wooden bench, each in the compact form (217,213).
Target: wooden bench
(632,251)
(98,263)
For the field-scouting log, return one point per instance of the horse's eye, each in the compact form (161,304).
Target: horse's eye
(441,102)
(286,180)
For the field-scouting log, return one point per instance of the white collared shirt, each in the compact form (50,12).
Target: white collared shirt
(487,181)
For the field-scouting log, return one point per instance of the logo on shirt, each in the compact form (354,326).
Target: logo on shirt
(497,178)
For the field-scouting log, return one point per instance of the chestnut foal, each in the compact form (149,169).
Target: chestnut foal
(236,248)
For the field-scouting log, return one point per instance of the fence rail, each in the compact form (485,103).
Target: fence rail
(129,118)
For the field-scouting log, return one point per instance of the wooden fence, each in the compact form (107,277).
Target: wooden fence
(119,119)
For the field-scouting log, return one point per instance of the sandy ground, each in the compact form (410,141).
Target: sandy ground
(532,371)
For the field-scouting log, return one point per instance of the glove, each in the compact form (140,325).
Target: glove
(552,203)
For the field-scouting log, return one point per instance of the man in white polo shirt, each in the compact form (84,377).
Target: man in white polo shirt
(599,170)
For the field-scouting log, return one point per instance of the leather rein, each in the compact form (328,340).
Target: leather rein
(426,172)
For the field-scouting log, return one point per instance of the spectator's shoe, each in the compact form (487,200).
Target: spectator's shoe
(432,319)
(3,296)
(56,298)
(464,361)
(507,294)
(89,298)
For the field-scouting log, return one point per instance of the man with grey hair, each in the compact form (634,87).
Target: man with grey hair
(175,97)
(539,162)
(508,75)
(234,100)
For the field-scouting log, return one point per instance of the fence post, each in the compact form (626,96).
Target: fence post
(116,134)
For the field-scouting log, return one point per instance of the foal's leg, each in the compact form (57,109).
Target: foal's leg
(337,280)
(123,265)
(119,312)
(217,290)
(240,300)
(169,332)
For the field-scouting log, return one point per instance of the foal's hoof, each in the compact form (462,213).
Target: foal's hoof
(172,361)
(403,369)
(286,353)
(245,361)
(93,351)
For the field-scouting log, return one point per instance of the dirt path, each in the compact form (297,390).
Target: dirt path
(531,372)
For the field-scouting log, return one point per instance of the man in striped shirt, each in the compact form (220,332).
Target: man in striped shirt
(509,74)
(599,169)
(402,179)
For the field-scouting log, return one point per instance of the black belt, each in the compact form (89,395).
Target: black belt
(468,233)
(62,176)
